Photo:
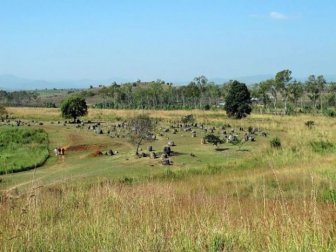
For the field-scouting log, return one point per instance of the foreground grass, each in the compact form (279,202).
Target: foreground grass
(165,216)
(22,149)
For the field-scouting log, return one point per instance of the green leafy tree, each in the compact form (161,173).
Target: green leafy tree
(262,90)
(201,82)
(238,101)
(315,87)
(74,107)
(332,93)
(321,82)
(296,91)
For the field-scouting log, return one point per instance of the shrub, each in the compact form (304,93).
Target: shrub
(215,140)
(329,112)
(187,119)
(126,180)
(310,124)
(207,107)
(276,143)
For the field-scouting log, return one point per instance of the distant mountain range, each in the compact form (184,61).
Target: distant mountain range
(12,82)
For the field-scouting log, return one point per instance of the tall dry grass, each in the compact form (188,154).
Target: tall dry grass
(165,216)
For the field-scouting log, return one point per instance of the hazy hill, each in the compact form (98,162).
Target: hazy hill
(12,82)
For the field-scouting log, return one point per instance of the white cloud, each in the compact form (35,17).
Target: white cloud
(278,16)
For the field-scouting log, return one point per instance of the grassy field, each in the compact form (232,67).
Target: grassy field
(22,149)
(253,198)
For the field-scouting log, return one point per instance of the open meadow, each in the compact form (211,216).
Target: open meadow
(245,196)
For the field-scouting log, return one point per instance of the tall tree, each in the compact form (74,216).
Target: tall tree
(332,90)
(296,91)
(321,83)
(140,127)
(262,90)
(314,86)
(73,107)
(201,82)
(3,112)
(238,101)
(282,80)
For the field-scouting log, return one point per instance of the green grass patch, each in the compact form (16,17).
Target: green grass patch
(322,146)
(22,149)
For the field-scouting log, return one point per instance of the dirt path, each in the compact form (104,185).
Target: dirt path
(78,145)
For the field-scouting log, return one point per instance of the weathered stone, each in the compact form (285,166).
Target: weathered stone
(171,143)
(167,150)
(165,162)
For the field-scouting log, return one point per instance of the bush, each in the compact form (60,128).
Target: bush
(310,124)
(50,105)
(329,112)
(187,119)
(207,107)
(215,140)
(276,143)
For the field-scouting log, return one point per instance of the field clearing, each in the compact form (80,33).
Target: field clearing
(249,198)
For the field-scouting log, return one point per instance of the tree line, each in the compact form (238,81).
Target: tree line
(285,94)
(19,98)
(199,93)
(281,94)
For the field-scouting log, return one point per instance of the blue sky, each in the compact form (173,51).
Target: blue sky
(171,40)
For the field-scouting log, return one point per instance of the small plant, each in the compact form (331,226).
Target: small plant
(238,142)
(126,180)
(310,124)
(276,143)
(217,244)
